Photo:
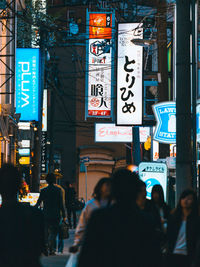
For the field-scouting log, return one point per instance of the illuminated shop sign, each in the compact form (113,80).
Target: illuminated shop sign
(27,98)
(109,132)
(99,65)
(24,151)
(24,143)
(129,75)
(165,114)
(153,173)
(24,160)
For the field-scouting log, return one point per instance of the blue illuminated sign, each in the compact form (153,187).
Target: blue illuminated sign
(27,99)
(165,114)
(153,173)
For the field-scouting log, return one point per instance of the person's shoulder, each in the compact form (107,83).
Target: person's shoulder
(105,213)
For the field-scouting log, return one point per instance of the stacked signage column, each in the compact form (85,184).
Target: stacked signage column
(99,65)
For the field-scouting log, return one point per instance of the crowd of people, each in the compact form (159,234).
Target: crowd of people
(118,227)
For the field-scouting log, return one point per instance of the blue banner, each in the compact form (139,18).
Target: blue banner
(27,98)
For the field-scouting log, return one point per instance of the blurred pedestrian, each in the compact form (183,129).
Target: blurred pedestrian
(21,226)
(183,231)
(146,206)
(70,200)
(120,235)
(157,199)
(101,198)
(53,208)
(60,233)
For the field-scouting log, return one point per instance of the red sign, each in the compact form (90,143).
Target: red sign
(99,112)
(100,26)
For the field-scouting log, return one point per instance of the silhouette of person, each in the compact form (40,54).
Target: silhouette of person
(70,199)
(120,235)
(21,226)
(53,208)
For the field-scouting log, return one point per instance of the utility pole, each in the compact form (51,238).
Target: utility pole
(162,63)
(194,95)
(183,98)
(136,145)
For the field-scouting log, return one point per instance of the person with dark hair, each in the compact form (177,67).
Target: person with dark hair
(70,199)
(101,197)
(119,235)
(146,206)
(183,231)
(53,208)
(21,226)
(157,199)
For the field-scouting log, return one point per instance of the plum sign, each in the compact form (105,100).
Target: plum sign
(153,173)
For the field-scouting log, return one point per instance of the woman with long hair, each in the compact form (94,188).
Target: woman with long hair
(157,199)
(182,231)
(101,198)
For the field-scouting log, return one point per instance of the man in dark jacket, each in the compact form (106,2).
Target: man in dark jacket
(120,235)
(70,199)
(21,226)
(53,209)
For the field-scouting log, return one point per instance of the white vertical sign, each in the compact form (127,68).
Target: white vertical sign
(129,75)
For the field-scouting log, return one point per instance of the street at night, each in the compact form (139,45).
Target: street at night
(99,133)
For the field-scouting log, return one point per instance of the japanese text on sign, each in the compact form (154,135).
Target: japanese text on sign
(129,75)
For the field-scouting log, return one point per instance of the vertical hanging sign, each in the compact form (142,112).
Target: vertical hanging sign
(129,75)
(44,152)
(99,65)
(27,91)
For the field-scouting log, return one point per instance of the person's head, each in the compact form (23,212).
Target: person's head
(141,194)
(187,201)
(157,195)
(51,178)
(10,181)
(102,189)
(124,186)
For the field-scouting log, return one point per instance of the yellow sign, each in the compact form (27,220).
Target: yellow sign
(147,144)
(24,160)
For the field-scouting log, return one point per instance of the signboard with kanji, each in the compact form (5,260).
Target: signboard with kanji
(99,65)
(129,75)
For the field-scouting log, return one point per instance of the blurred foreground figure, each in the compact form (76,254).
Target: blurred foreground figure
(183,231)
(120,236)
(101,198)
(21,226)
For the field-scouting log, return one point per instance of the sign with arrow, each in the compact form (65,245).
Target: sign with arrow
(165,114)
(153,173)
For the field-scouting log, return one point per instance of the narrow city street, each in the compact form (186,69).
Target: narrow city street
(59,260)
